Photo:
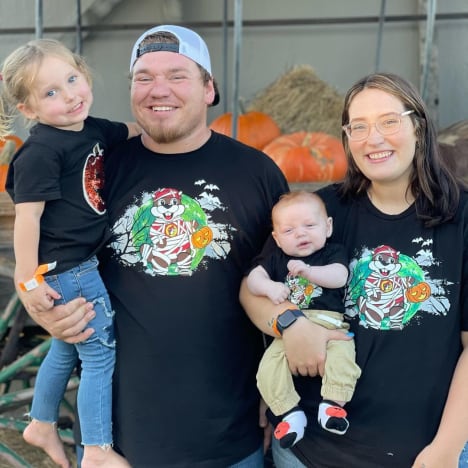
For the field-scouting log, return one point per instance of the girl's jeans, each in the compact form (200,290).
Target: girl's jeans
(463,463)
(97,355)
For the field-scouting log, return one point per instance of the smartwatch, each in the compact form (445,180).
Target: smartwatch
(285,320)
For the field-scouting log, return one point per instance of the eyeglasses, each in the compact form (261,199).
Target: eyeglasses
(388,124)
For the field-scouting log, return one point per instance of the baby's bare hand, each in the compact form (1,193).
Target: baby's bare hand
(278,293)
(297,267)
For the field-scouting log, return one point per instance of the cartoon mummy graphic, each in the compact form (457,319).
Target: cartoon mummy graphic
(386,289)
(168,232)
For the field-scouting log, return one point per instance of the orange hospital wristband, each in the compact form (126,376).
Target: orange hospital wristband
(38,278)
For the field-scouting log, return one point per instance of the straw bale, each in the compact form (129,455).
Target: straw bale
(453,142)
(300,101)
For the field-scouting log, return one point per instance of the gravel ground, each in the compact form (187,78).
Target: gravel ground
(13,439)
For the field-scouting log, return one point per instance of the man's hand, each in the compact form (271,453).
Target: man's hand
(67,322)
(305,345)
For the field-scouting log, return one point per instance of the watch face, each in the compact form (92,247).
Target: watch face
(286,319)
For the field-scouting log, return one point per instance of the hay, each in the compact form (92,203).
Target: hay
(300,101)
(453,142)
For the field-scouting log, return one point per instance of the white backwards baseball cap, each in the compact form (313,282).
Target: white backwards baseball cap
(190,45)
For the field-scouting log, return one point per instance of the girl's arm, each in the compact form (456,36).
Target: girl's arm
(452,434)
(67,322)
(26,245)
(26,238)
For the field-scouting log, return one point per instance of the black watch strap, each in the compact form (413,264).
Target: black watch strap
(286,319)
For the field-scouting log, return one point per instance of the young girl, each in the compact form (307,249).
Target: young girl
(55,181)
(404,220)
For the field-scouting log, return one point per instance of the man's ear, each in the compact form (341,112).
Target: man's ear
(209,92)
(26,111)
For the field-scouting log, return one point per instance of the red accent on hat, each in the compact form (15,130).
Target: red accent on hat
(386,250)
(166,192)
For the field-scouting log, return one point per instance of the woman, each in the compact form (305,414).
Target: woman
(404,220)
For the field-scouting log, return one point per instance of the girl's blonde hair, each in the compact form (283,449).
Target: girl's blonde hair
(19,71)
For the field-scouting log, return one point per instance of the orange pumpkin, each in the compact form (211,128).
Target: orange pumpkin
(308,156)
(253,128)
(419,292)
(4,167)
(202,237)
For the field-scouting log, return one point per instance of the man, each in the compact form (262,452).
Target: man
(188,208)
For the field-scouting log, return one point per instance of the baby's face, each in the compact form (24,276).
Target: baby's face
(301,228)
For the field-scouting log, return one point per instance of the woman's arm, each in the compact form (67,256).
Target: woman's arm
(452,434)
(304,342)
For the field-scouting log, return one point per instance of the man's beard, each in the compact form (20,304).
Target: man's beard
(162,134)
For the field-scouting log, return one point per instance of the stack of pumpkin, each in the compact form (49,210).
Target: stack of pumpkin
(302,156)
(295,121)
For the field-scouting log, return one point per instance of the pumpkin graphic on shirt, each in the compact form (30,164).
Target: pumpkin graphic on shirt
(302,291)
(93,180)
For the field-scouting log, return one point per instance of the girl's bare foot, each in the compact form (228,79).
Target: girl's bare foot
(95,456)
(45,436)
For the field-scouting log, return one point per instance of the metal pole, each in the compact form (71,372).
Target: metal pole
(267,23)
(39,19)
(79,44)
(431,15)
(225,55)
(379,36)
(237,50)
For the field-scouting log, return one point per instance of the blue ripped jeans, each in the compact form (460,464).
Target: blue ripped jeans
(463,462)
(97,356)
